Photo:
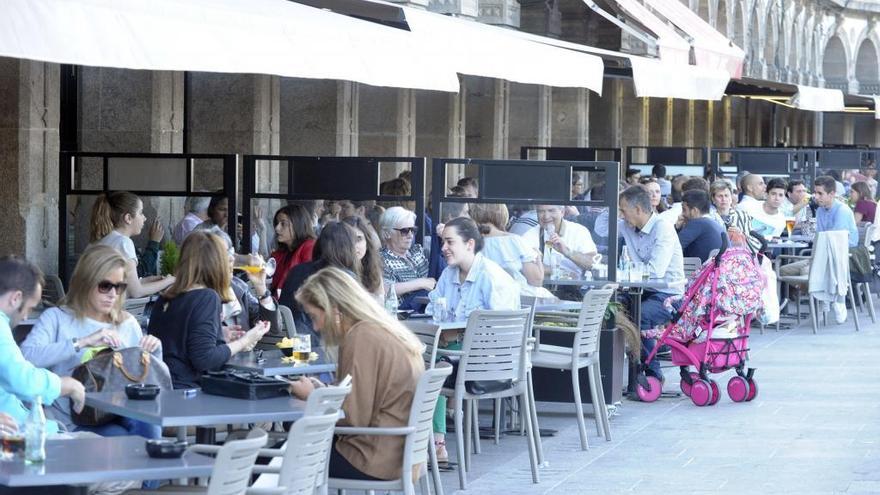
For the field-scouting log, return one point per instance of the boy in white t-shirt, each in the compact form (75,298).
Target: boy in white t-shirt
(768,219)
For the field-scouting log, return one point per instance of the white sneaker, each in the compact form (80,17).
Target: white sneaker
(839,310)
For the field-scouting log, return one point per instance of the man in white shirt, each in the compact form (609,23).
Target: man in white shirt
(754,191)
(769,220)
(570,245)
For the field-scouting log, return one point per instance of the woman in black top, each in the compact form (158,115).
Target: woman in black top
(336,248)
(187,316)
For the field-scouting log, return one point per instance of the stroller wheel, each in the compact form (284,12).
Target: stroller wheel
(716,393)
(753,389)
(685,386)
(646,395)
(701,393)
(738,389)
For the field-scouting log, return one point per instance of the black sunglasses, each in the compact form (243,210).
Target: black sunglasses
(105,285)
(408,230)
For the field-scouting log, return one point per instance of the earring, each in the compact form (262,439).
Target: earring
(338,321)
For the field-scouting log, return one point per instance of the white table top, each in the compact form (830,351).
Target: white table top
(79,461)
(650,283)
(273,365)
(171,408)
(787,245)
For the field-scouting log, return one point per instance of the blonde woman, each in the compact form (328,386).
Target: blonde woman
(90,316)
(384,358)
(187,316)
(116,218)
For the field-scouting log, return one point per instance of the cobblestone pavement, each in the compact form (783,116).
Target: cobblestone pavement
(813,429)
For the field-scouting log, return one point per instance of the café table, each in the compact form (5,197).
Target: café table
(272,364)
(787,245)
(81,461)
(173,408)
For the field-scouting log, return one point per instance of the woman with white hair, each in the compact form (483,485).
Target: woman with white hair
(196,213)
(404,261)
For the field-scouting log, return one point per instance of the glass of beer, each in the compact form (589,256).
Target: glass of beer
(549,230)
(789,225)
(268,266)
(302,348)
(11,444)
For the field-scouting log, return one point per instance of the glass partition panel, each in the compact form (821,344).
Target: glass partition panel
(207,174)
(148,174)
(88,173)
(271,177)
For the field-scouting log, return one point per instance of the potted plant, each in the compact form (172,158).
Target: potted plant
(170,257)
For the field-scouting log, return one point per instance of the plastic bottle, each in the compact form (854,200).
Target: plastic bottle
(35,434)
(440,309)
(391,301)
(624,264)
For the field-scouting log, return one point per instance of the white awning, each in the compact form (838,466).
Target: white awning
(818,99)
(662,80)
(254,36)
(711,48)
(656,77)
(478,49)
(672,47)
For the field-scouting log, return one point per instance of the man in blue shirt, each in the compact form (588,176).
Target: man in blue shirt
(831,215)
(700,234)
(652,241)
(20,290)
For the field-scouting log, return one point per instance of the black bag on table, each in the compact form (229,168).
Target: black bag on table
(242,385)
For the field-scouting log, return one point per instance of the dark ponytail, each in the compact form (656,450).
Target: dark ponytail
(467,229)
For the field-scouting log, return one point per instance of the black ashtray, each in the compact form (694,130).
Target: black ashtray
(142,391)
(166,449)
(287,351)
(403,314)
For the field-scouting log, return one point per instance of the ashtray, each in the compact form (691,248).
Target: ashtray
(142,391)
(287,351)
(166,449)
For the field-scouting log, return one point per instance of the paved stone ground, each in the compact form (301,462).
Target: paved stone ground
(813,429)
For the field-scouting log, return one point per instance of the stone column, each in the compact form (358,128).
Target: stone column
(347,121)
(501,119)
(166,128)
(545,115)
(668,121)
(406,123)
(458,122)
(29,141)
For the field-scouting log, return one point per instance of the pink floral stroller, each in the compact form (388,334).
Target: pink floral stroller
(710,328)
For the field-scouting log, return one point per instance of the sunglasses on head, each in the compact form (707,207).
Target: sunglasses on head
(408,230)
(105,285)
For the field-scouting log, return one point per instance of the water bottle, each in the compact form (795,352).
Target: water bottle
(35,434)
(391,301)
(440,310)
(624,264)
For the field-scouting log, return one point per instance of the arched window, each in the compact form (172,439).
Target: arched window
(834,64)
(866,69)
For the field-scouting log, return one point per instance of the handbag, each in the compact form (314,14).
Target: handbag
(242,385)
(111,371)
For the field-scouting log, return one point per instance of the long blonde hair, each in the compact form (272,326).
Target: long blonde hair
(204,260)
(109,211)
(332,290)
(92,268)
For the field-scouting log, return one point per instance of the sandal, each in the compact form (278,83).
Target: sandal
(443,463)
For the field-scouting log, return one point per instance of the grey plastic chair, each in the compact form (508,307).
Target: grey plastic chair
(303,467)
(494,348)
(286,319)
(417,436)
(586,328)
(53,290)
(692,266)
(233,465)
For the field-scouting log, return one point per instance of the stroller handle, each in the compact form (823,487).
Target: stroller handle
(725,243)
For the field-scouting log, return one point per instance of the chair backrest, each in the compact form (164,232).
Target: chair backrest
(304,466)
(692,266)
(825,243)
(422,413)
(586,340)
(327,400)
(53,289)
(868,239)
(136,306)
(286,319)
(428,333)
(234,462)
(494,346)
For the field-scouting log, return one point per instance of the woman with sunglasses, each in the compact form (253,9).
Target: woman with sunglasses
(90,317)
(187,316)
(404,260)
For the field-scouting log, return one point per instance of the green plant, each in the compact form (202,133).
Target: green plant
(170,257)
